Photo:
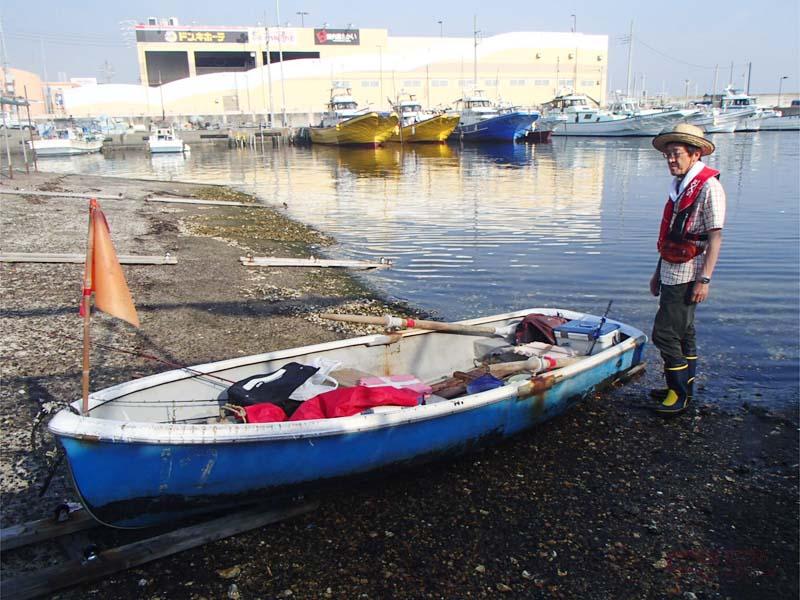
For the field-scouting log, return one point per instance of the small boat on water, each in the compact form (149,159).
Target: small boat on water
(159,448)
(417,125)
(575,115)
(738,112)
(482,121)
(66,141)
(779,122)
(344,124)
(164,140)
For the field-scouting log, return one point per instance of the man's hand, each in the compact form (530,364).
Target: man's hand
(655,284)
(699,292)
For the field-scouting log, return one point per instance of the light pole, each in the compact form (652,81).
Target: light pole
(302,14)
(574,23)
(780,88)
(686,93)
(441,31)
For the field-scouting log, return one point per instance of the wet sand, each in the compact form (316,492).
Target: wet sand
(607,501)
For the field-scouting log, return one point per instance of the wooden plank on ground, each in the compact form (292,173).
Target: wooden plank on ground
(198,201)
(46,257)
(74,572)
(32,532)
(61,194)
(273,261)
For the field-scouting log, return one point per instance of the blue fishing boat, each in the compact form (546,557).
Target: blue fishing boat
(482,121)
(161,448)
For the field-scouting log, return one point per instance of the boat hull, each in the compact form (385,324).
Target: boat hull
(65,147)
(503,128)
(435,129)
(371,129)
(790,123)
(134,474)
(166,148)
(625,127)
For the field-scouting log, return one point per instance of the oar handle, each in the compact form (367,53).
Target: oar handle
(535,364)
(391,322)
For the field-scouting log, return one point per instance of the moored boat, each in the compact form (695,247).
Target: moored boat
(482,121)
(779,122)
(417,125)
(164,140)
(574,115)
(66,141)
(155,449)
(344,124)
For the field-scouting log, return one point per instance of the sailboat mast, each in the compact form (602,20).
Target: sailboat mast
(630,62)
(714,91)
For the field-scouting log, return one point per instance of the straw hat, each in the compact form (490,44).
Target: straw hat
(683,133)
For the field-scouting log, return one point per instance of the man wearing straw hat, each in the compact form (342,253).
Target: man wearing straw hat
(689,242)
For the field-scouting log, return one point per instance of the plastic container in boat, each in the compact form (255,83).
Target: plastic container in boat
(578,335)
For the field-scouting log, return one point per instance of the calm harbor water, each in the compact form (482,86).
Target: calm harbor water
(485,229)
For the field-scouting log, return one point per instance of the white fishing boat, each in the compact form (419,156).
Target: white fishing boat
(66,141)
(667,116)
(164,140)
(574,115)
(779,122)
(737,112)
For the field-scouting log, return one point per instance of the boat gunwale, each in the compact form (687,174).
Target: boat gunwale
(69,424)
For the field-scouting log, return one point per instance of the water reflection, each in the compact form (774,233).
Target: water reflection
(476,230)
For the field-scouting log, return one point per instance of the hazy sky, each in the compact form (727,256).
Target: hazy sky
(674,40)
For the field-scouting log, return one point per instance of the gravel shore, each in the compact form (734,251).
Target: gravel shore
(608,501)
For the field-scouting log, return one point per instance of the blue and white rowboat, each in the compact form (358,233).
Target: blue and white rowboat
(154,449)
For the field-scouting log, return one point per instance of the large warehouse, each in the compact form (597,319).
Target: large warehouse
(188,70)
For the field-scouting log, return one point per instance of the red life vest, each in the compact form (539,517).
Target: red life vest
(675,245)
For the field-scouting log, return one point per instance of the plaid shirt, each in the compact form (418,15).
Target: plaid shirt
(710,214)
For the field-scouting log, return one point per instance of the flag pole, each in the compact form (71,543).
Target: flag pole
(86,307)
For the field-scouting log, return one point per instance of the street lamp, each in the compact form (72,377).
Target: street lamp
(780,87)
(302,14)
(574,23)
(441,34)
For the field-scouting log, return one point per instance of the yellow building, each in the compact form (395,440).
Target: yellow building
(252,71)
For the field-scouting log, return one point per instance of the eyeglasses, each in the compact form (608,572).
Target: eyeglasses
(674,154)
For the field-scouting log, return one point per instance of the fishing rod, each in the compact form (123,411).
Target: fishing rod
(596,333)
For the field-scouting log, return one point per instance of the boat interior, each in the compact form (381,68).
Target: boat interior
(445,361)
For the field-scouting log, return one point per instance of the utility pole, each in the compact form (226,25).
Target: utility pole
(269,77)
(280,57)
(714,90)
(749,71)
(630,61)
(5,76)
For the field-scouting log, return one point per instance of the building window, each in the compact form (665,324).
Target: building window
(541,82)
(466,83)
(439,83)
(490,82)
(341,84)
(412,83)
(566,82)
(370,83)
(519,82)
(588,82)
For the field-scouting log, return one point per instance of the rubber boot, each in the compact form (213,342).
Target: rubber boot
(692,371)
(678,395)
(660,394)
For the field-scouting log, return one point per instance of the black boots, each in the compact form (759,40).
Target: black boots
(661,393)
(680,387)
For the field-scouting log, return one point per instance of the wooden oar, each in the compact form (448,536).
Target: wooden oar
(535,364)
(391,322)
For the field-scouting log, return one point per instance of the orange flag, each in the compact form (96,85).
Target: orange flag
(106,280)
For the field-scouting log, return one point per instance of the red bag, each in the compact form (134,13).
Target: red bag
(537,327)
(344,402)
(266,412)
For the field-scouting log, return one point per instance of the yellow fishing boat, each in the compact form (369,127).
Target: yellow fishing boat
(420,126)
(343,124)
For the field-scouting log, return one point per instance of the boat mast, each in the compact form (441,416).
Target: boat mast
(630,61)
(714,90)
(475,53)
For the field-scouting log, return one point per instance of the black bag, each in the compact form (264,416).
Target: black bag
(537,327)
(274,387)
